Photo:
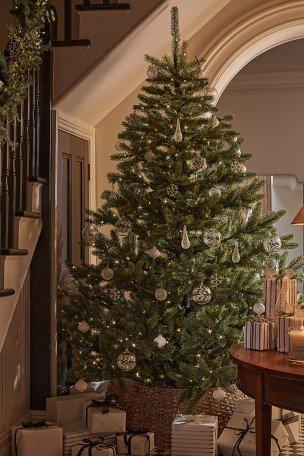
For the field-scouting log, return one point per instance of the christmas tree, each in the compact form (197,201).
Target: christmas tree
(181,242)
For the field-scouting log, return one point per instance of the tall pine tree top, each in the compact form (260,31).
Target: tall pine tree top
(184,241)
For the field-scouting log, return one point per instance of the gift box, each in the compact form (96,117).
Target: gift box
(280,292)
(260,335)
(41,438)
(94,387)
(292,424)
(135,443)
(75,432)
(283,325)
(238,437)
(95,447)
(194,435)
(63,409)
(100,417)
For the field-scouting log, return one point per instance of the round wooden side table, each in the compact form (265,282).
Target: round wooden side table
(269,378)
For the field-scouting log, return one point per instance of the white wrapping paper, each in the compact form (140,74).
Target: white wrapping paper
(260,335)
(112,422)
(280,293)
(41,441)
(140,444)
(99,450)
(64,409)
(283,325)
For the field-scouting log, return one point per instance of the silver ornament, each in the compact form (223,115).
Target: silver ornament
(161,294)
(83,326)
(214,122)
(235,139)
(236,257)
(201,294)
(237,167)
(114,293)
(219,394)
(216,279)
(81,385)
(259,308)
(70,286)
(152,72)
(89,233)
(149,156)
(241,215)
(185,243)
(178,136)
(160,341)
(212,237)
(205,115)
(273,244)
(197,164)
(119,145)
(126,361)
(215,191)
(123,227)
(107,273)
(172,190)
(153,253)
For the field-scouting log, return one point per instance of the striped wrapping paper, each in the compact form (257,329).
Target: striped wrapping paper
(260,335)
(280,295)
(283,325)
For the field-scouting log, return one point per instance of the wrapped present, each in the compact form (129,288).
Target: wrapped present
(194,434)
(95,447)
(135,443)
(40,438)
(238,437)
(292,424)
(280,292)
(94,387)
(247,407)
(104,416)
(260,335)
(76,431)
(283,325)
(63,409)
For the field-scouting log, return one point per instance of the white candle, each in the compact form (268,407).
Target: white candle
(296,345)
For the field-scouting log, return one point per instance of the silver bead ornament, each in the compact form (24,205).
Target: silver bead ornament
(205,115)
(201,294)
(216,279)
(126,361)
(83,326)
(214,122)
(212,237)
(172,190)
(160,341)
(273,244)
(119,145)
(258,308)
(153,253)
(178,136)
(107,273)
(161,294)
(149,156)
(241,215)
(219,394)
(123,227)
(185,243)
(81,385)
(215,191)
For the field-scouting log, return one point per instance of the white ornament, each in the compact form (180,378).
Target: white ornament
(83,326)
(172,190)
(237,167)
(242,168)
(201,294)
(214,122)
(236,257)
(89,233)
(107,273)
(161,294)
(160,341)
(249,214)
(212,237)
(235,139)
(81,385)
(205,115)
(185,243)
(153,253)
(219,394)
(216,279)
(149,156)
(119,145)
(152,72)
(273,244)
(123,227)
(178,136)
(238,152)
(259,308)
(126,361)
(241,215)
(215,191)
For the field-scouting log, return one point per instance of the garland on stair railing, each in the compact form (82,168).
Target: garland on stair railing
(21,55)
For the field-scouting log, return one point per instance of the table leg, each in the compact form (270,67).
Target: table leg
(262,422)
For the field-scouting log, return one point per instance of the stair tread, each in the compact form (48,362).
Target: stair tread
(40,180)
(104,7)
(28,214)
(6,292)
(11,252)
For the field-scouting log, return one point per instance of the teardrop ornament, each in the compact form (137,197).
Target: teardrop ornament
(185,239)
(178,136)
(236,254)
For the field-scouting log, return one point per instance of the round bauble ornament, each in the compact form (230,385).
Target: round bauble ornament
(70,286)
(215,191)
(212,237)
(241,215)
(119,145)
(126,361)
(160,341)
(152,72)
(214,122)
(178,136)
(206,115)
(161,294)
(123,227)
(149,156)
(259,308)
(107,273)
(83,326)
(172,190)
(185,243)
(153,253)
(201,294)
(273,244)
(197,164)
(89,233)
(237,167)
(81,385)
(219,394)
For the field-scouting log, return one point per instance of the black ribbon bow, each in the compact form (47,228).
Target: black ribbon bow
(242,432)
(289,418)
(29,425)
(110,401)
(129,435)
(90,444)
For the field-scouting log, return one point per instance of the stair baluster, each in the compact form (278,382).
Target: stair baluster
(19,159)
(12,176)
(5,189)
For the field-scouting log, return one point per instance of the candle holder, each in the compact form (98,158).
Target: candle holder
(296,344)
